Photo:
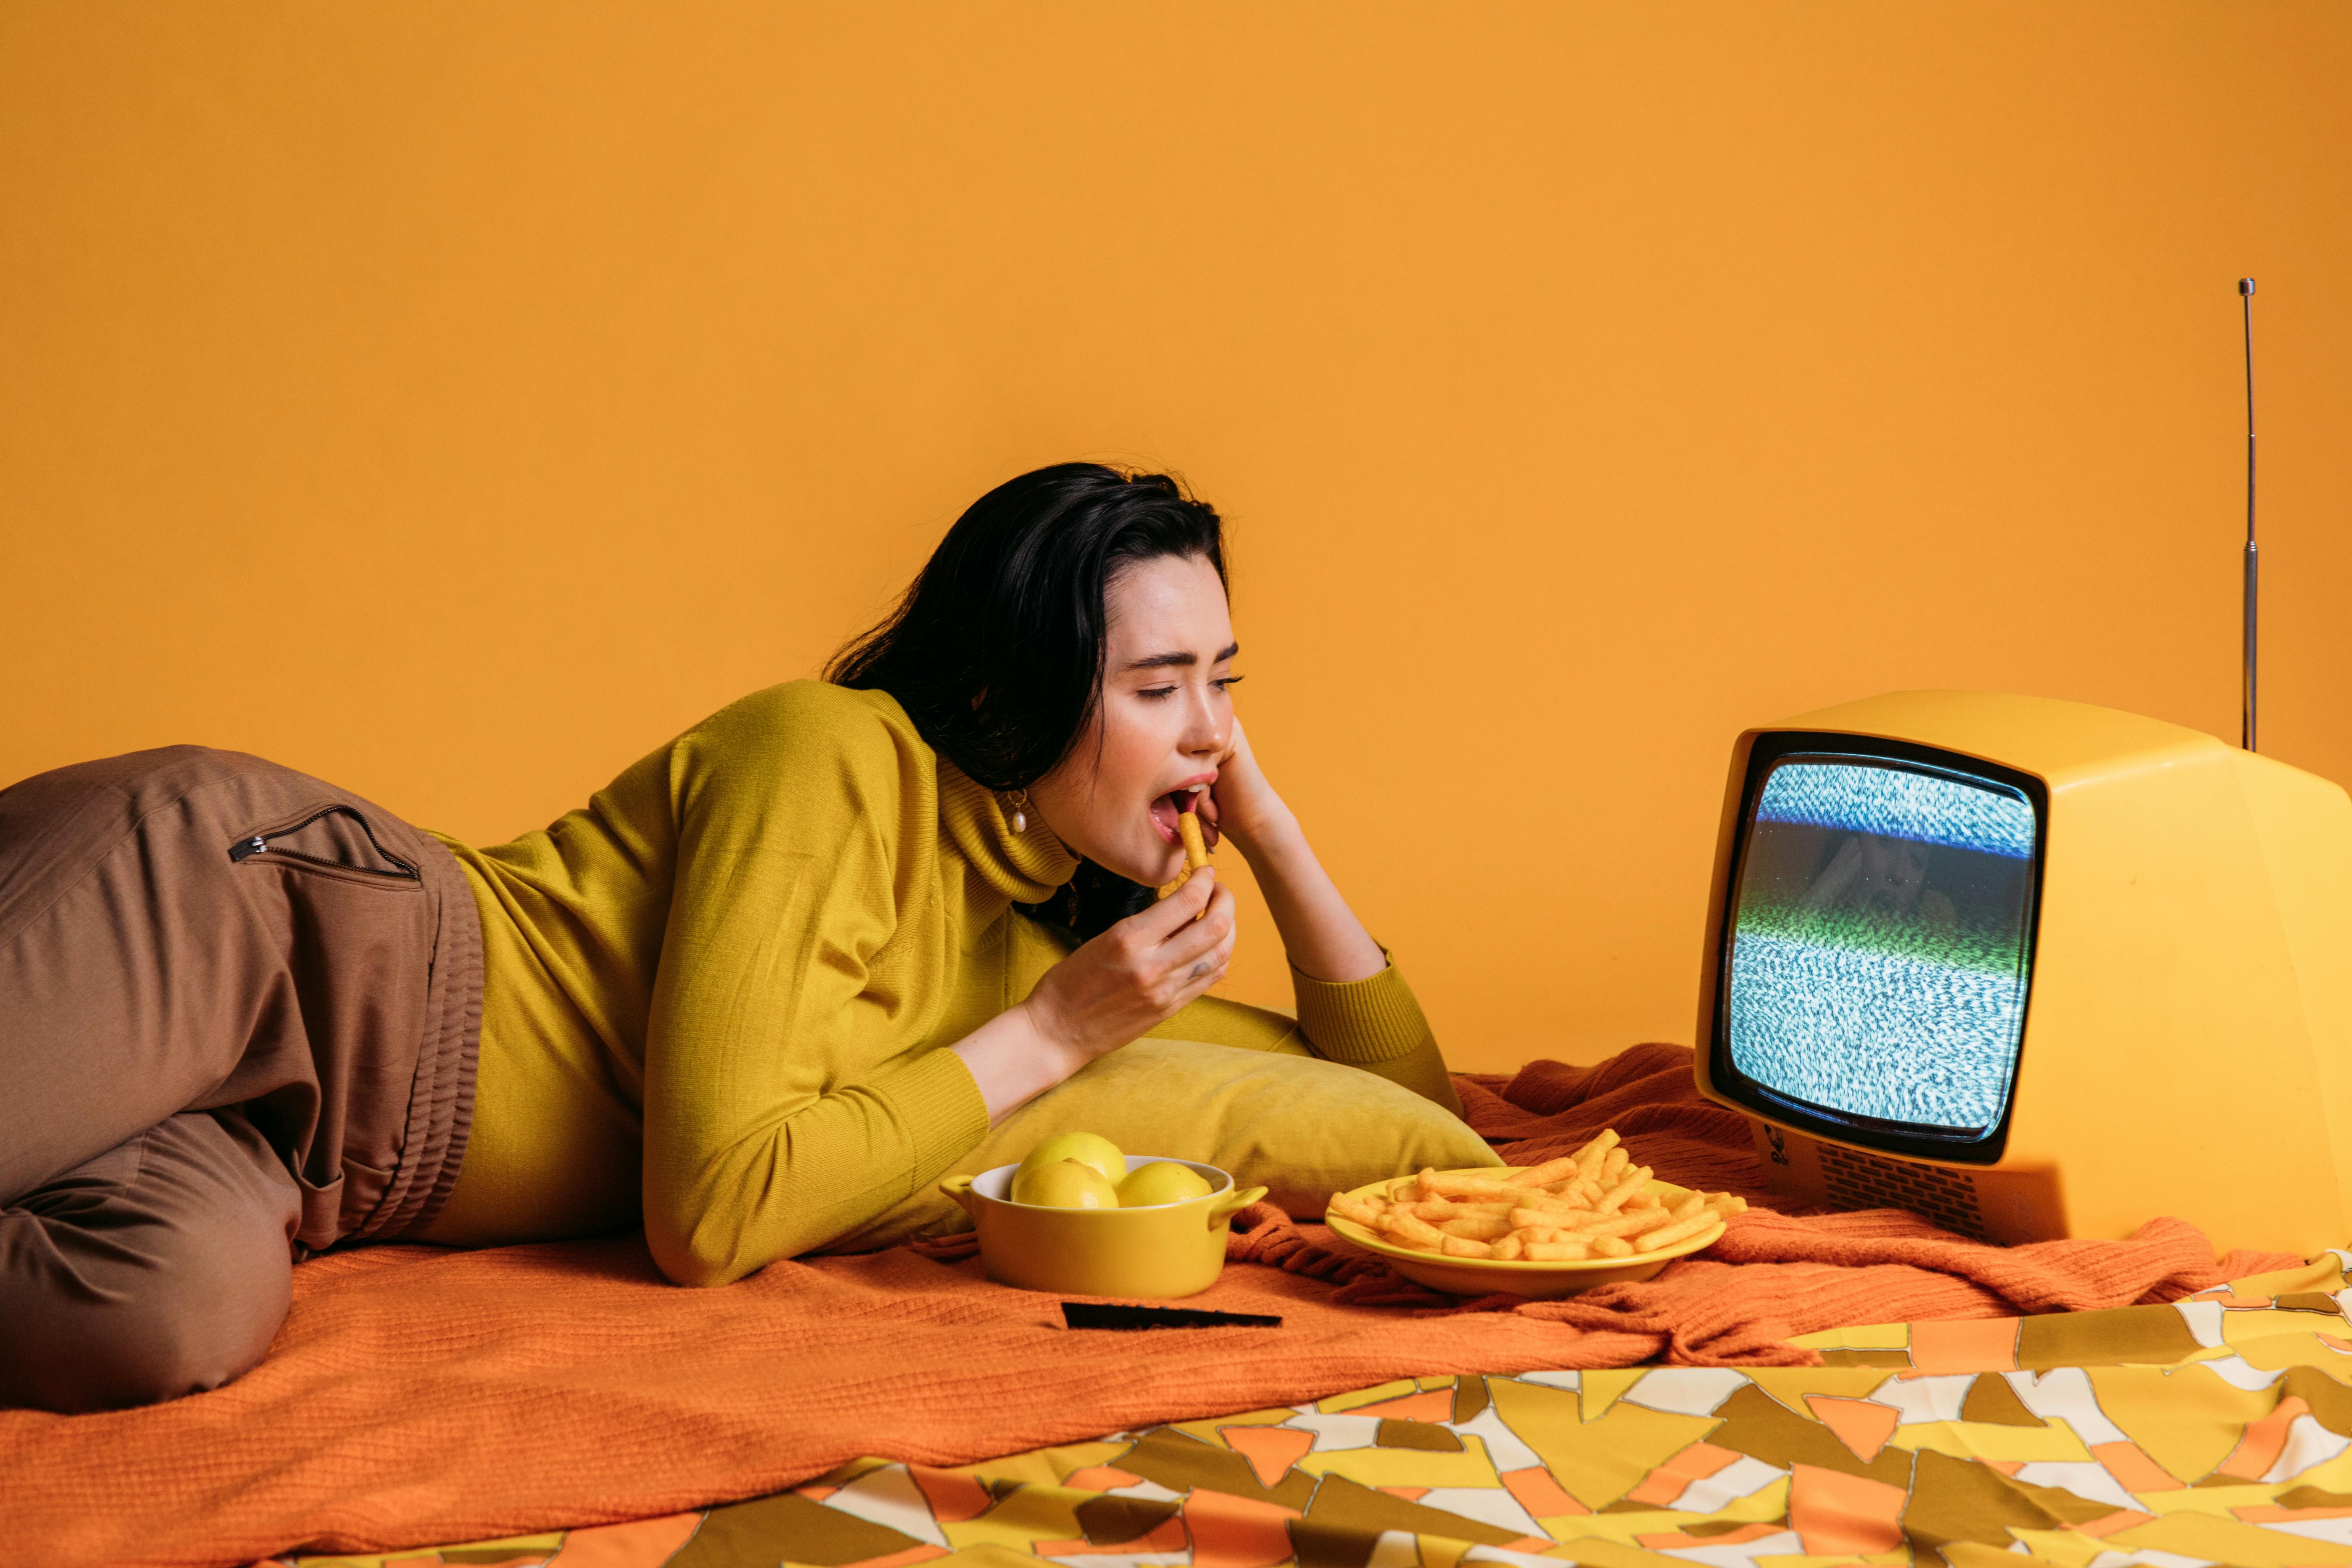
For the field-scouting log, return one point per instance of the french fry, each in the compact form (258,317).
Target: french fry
(1668,1235)
(1411,1229)
(1536,1175)
(1588,1158)
(1621,1224)
(1614,1198)
(1478,1227)
(1523,1214)
(1592,1204)
(1196,852)
(1436,1185)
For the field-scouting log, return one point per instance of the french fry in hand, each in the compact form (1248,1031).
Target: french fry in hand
(1196,851)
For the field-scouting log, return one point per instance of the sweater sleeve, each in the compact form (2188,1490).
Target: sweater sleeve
(784,1105)
(1377,1025)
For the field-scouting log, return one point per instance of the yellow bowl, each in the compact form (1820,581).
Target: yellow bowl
(1162,1251)
(1538,1281)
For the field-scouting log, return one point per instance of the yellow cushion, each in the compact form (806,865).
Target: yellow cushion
(1298,1126)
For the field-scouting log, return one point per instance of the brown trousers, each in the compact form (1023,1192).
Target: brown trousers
(238,1015)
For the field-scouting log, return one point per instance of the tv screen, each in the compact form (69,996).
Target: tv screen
(1880,940)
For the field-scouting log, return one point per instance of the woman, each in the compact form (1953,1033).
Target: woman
(762,992)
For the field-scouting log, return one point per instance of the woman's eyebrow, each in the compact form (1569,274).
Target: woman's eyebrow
(1164,660)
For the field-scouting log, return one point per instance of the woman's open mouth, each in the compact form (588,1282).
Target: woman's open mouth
(1169,806)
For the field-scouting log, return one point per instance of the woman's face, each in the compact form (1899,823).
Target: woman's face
(1163,725)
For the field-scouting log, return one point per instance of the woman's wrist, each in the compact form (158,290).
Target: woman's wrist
(1321,935)
(1268,834)
(1013,1058)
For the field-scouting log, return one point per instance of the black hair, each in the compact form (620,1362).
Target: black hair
(996,649)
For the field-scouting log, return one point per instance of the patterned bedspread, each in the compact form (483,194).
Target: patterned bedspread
(2214,1430)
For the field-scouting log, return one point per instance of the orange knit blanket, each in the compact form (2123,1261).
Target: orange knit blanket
(419,1395)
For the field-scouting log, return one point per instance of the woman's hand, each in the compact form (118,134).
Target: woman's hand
(1321,934)
(1133,977)
(1241,804)
(1136,975)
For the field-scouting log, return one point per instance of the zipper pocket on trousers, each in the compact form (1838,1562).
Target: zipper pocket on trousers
(268,844)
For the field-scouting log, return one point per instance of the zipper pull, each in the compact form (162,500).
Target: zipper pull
(251,846)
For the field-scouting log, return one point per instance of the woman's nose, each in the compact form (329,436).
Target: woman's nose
(1206,734)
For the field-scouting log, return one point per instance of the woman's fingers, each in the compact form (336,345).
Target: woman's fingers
(1178,909)
(1203,948)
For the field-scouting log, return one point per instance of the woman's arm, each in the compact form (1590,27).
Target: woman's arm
(1325,940)
(784,1106)
(1353,1006)
(1110,990)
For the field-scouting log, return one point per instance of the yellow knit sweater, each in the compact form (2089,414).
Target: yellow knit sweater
(714,998)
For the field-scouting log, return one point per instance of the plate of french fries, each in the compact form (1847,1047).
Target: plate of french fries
(1584,1219)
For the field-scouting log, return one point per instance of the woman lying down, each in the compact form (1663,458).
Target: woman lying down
(837,941)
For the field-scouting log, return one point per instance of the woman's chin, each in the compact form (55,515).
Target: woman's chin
(1148,872)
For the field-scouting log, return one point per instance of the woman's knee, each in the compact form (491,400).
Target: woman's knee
(160,1268)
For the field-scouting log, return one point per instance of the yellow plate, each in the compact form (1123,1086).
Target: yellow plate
(1538,1281)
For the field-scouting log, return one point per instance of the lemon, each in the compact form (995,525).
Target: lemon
(1064,1184)
(1086,1148)
(1161,1182)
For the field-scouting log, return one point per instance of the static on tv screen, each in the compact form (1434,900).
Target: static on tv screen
(1881,940)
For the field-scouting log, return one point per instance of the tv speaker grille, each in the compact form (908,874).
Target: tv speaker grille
(1854,1180)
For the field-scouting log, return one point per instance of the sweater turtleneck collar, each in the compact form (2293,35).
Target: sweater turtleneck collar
(1024,867)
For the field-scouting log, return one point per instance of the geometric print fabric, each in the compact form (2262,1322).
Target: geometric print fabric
(2217,1429)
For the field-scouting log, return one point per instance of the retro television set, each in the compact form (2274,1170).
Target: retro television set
(2034,969)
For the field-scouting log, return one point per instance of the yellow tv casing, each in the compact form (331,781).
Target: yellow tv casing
(2188,1039)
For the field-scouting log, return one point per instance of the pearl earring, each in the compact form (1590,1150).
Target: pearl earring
(1017,801)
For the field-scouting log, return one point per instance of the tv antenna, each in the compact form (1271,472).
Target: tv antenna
(2253,557)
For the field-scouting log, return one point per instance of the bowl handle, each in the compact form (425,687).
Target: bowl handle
(960,1189)
(1231,1204)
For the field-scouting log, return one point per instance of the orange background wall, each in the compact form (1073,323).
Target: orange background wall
(457,400)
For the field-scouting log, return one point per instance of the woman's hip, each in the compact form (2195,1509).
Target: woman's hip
(189,929)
